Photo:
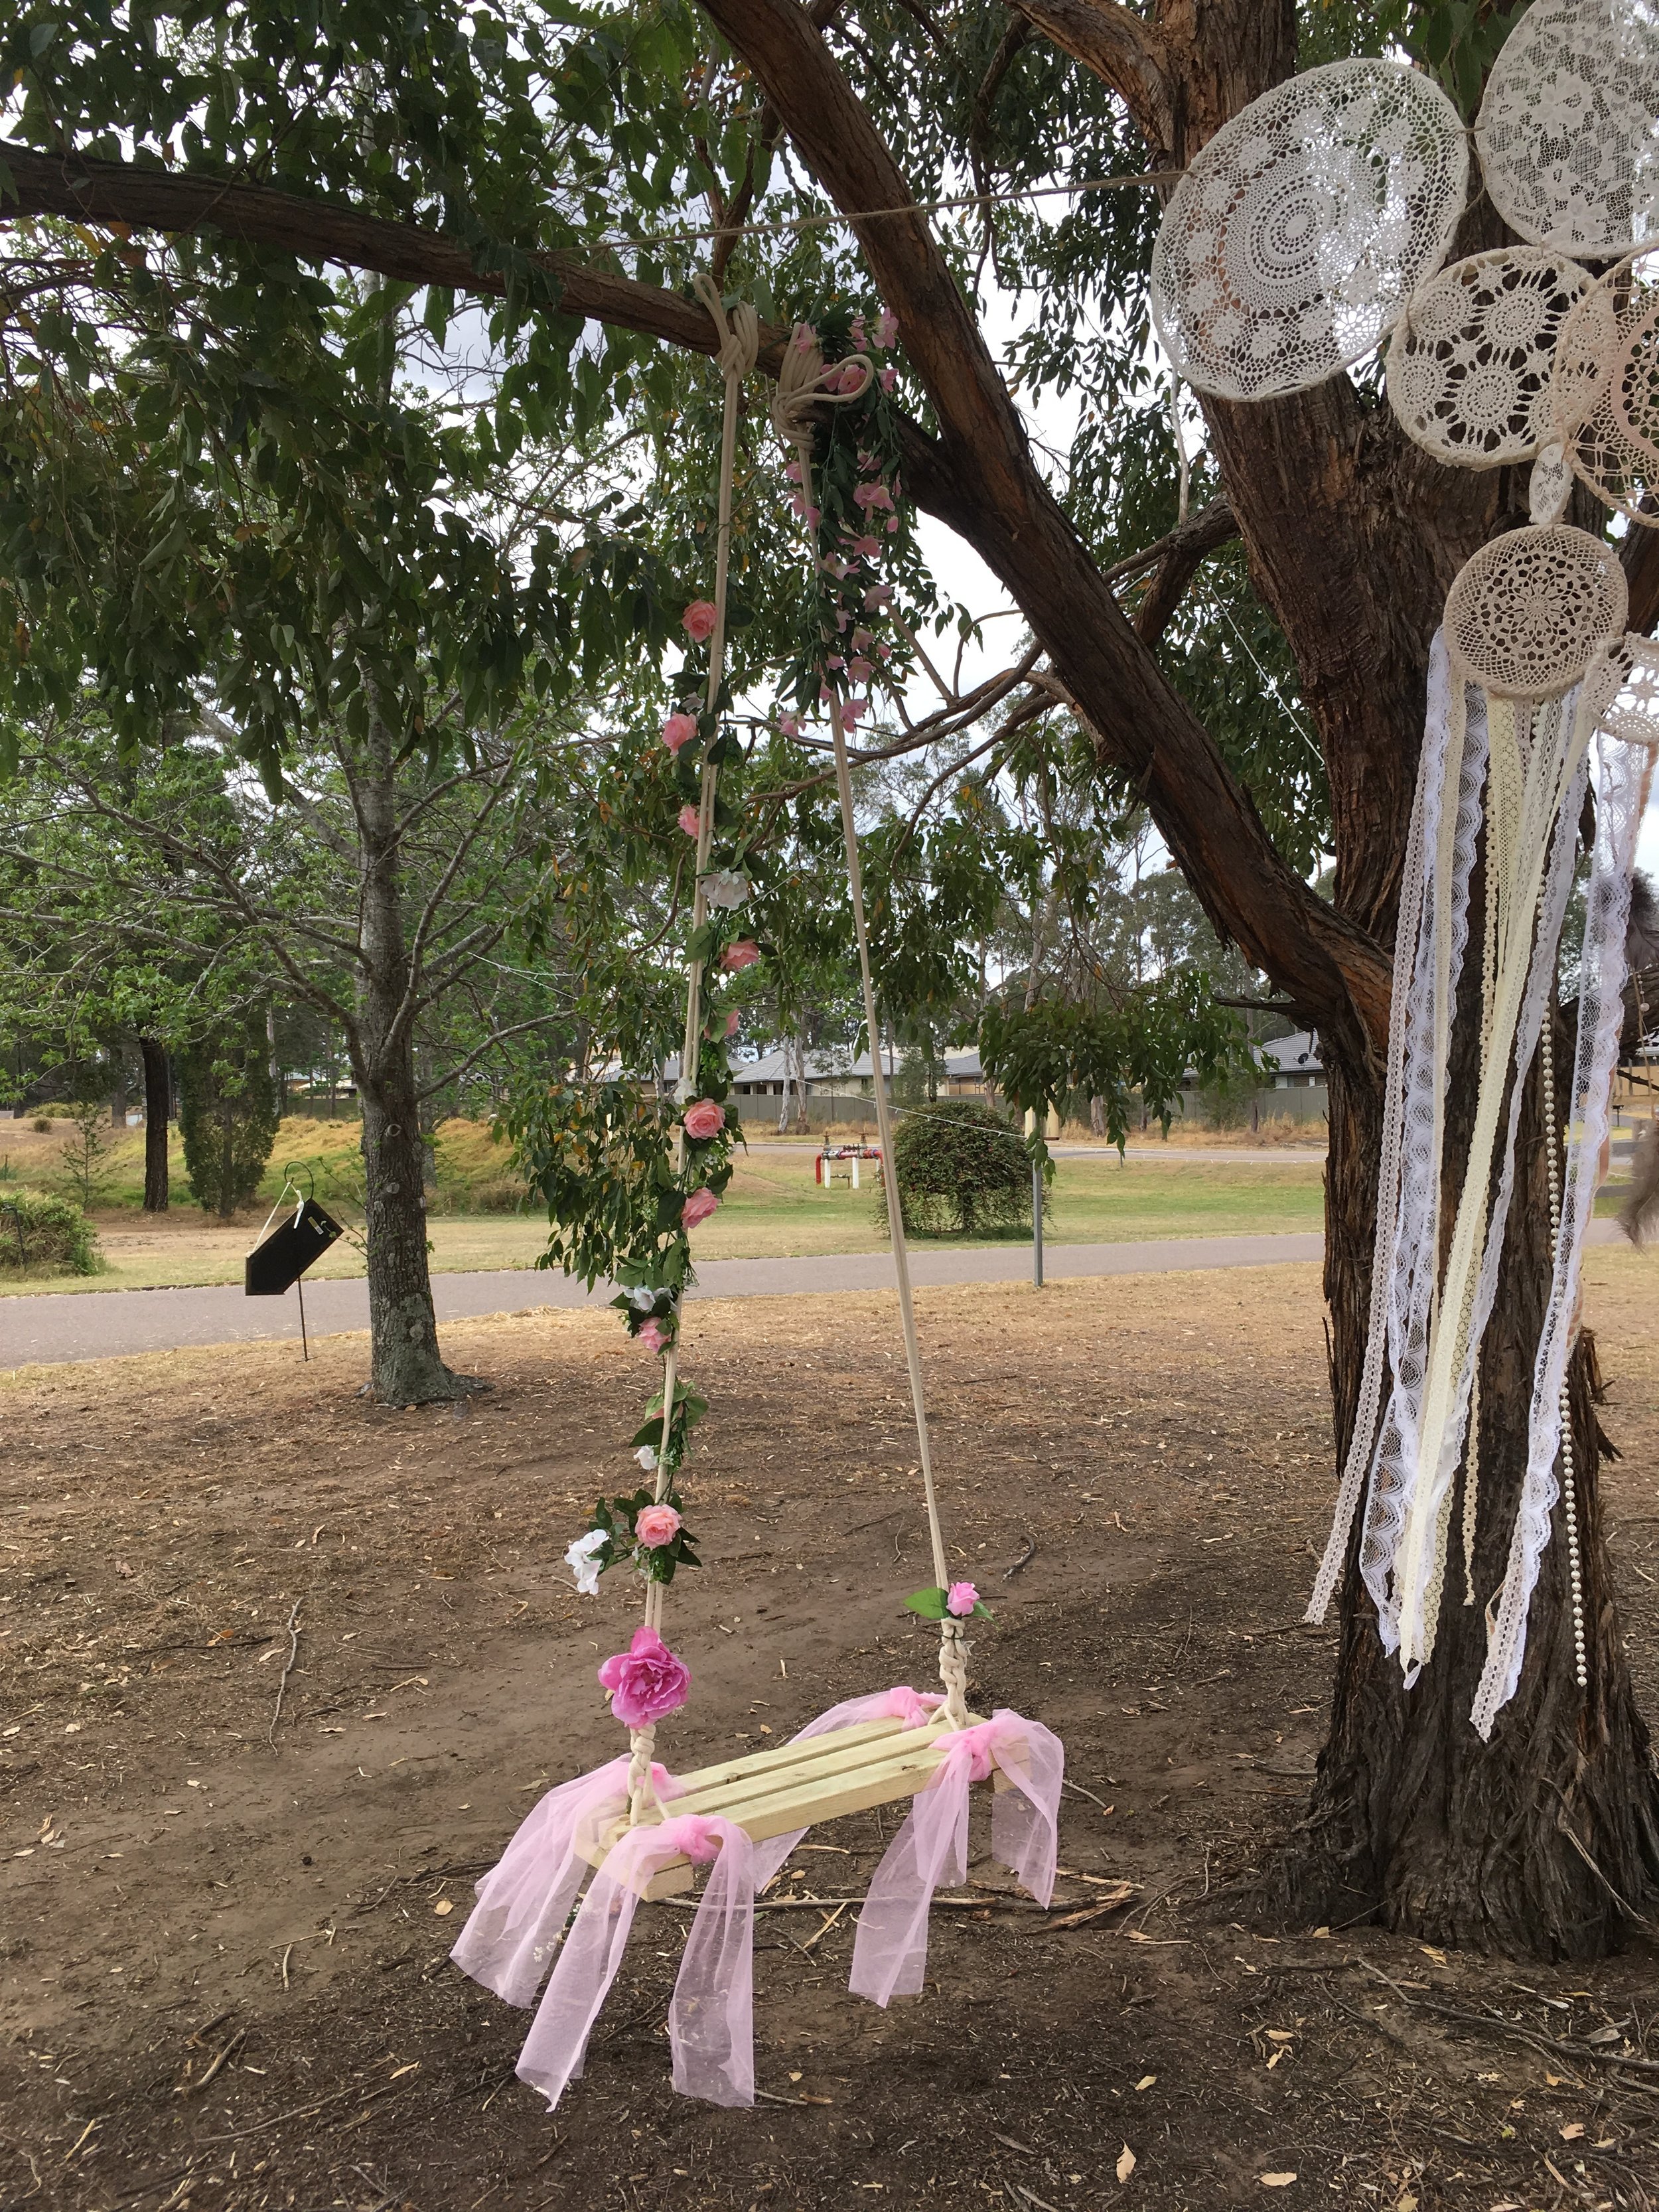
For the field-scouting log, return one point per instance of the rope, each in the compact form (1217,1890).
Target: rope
(739,345)
(805,383)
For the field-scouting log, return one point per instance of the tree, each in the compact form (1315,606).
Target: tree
(1352,537)
(228,1114)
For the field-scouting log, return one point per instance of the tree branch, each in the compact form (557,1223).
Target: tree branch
(1010,517)
(1127,53)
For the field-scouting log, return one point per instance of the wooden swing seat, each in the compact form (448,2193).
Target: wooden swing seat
(768,1793)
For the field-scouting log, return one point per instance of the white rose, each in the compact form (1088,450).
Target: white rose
(647,1458)
(725,888)
(582,1559)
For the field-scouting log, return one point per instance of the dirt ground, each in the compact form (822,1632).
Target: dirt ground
(224,1936)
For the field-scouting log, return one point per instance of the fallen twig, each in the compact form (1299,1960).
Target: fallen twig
(1576,2054)
(1008,1573)
(287,1669)
(1080,1791)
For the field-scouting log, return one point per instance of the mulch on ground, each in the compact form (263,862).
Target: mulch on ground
(225,1930)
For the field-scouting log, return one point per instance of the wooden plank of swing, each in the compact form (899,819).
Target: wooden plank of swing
(810,1747)
(799,1795)
(790,1765)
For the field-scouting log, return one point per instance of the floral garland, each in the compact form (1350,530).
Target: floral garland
(857,480)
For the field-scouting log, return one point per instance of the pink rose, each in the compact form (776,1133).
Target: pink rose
(647,1681)
(656,1524)
(654,1337)
(699,620)
(678,730)
(886,328)
(703,1119)
(852,377)
(697,1207)
(689,821)
(742,954)
(961,1599)
(805,338)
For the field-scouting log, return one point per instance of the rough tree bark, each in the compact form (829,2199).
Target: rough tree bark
(406,1367)
(158,1107)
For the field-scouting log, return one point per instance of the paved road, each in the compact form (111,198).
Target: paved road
(104,1326)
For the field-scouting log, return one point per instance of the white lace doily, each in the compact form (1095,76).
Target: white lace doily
(1568,129)
(1526,614)
(1469,361)
(1604,394)
(1627,676)
(1300,230)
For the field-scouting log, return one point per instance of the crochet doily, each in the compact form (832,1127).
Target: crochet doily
(1567,128)
(1299,231)
(1604,394)
(1627,676)
(1525,615)
(1469,361)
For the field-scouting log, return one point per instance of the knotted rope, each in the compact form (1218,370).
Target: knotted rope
(805,384)
(739,346)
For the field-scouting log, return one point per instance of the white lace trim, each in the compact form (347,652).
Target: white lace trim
(1621,771)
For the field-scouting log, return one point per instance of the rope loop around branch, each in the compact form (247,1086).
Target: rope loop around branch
(739,346)
(805,382)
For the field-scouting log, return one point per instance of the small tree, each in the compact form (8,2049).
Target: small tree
(228,1116)
(84,1152)
(961,1170)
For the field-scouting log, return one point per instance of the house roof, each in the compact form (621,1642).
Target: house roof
(1297,1054)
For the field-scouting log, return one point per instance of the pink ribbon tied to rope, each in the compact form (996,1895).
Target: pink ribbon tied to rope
(525,1900)
(711,2021)
(890,1953)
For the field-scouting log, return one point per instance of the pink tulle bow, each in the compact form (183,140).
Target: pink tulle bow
(890,1953)
(711,2021)
(524,1899)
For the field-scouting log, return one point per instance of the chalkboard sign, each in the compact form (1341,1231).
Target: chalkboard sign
(272,1266)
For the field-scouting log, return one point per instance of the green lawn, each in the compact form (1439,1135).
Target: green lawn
(772,1209)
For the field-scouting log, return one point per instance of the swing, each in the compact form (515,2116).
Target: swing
(640,1831)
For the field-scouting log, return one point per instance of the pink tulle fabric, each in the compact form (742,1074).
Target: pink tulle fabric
(711,2021)
(524,1899)
(899,1704)
(890,1953)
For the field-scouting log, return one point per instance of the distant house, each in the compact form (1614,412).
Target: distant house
(1294,1061)
(829,1075)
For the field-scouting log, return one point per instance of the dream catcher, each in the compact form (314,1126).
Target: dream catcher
(1536,696)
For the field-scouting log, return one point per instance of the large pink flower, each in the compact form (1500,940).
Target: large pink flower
(961,1599)
(703,1119)
(689,820)
(647,1681)
(874,495)
(654,1337)
(678,730)
(699,620)
(742,953)
(656,1524)
(697,1207)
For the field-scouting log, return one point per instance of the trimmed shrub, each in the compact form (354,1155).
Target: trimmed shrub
(962,1170)
(43,1235)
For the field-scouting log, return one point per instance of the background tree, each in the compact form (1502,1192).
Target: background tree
(228,1114)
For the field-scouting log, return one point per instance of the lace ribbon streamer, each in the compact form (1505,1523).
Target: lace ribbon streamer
(1622,770)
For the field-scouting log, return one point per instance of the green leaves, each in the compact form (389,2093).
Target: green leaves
(1065,1055)
(934,1605)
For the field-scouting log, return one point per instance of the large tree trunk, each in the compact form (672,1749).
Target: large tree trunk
(158,1107)
(1546,1839)
(406,1367)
